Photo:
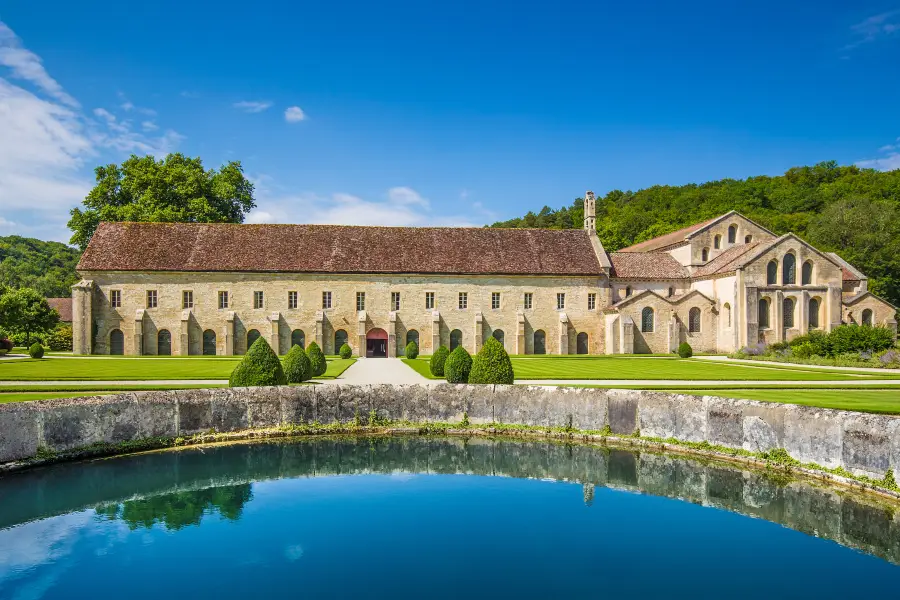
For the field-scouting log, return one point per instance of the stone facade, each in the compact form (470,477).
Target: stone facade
(719,286)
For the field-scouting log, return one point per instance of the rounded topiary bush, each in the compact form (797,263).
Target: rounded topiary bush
(317,362)
(685,350)
(296,365)
(437,361)
(260,366)
(412,350)
(458,365)
(36,351)
(492,364)
(346,351)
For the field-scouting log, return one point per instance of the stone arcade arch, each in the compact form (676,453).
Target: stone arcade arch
(376,343)
(340,338)
(252,336)
(500,336)
(456,337)
(116,342)
(209,342)
(164,342)
(581,343)
(298,338)
(540,342)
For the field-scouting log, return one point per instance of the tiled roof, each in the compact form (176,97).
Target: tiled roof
(668,239)
(848,275)
(646,265)
(728,261)
(338,249)
(63,306)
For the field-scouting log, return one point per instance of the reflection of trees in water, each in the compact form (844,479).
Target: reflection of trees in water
(180,509)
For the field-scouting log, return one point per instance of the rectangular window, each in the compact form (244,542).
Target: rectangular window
(463,300)
(187,299)
(223,299)
(529,299)
(495,300)
(115,298)
(151,298)
(429,300)
(257,300)
(592,301)
(360,301)
(560,301)
(292,300)
(326,299)
(395,300)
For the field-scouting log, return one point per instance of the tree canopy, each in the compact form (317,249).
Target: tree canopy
(174,189)
(24,311)
(48,267)
(845,209)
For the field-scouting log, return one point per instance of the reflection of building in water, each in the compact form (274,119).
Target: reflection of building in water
(588,490)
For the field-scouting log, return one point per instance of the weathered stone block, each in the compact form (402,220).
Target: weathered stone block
(814,434)
(158,416)
(228,408)
(328,402)
(588,407)
(194,411)
(537,406)
(867,444)
(413,403)
(657,413)
(387,400)
(691,417)
(19,431)
(763,426)
(724,422)
(447,402)
(623,407)
(264,407)
(298,404)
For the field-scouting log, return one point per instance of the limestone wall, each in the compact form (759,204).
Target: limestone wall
(864,444)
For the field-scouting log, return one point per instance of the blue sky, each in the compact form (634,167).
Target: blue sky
(416,113)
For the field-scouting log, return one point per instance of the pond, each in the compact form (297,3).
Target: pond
(430,517)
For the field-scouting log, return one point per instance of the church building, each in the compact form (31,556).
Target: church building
(199,288)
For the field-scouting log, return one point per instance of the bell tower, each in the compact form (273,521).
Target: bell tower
(590,212)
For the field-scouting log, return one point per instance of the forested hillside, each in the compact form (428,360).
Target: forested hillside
(854,212)
(48,267)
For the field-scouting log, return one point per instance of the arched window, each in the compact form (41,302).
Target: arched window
(164,342)
(340,338)
(540,342)
(867,317)
(498,335)
(788,309)
(455,339)
(298,338)
(694,320)
(581,343)
(717,242)
(627,290)
(116,342)
(748,239)
(209,342)
(252,336)
(704,256)
(647,320)
(412,336)
(772,272)
(763,313)
(727,309)
(806,273)
(789,270)
(732,233)
(813,313)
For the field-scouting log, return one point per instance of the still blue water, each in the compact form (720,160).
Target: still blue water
(432,518)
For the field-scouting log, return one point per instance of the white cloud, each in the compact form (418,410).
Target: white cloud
(253,106)
(26,65)
(149,126)
(875,28)
(127,106)
(294,114)
(889,162)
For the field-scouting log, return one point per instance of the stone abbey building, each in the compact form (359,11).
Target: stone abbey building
(184,288)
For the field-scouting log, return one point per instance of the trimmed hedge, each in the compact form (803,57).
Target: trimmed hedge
(492,364)
(36,351)
(411,351)
(317,363)
(346,351)
(260,366)
(297,368)
(437,361)
(685,350)
(841,340)
(458,366)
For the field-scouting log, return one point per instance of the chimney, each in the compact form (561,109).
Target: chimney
(590,212)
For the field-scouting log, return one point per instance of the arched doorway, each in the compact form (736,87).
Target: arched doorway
(867,317)
(582,343)
(252,336)
(164,342)
(540,342)
(298,338)
(498,335)
(209,343)
(376,343)
(116,342)
(340,338)
(455,339)
(412,336)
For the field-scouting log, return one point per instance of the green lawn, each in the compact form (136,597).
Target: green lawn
(877,401)
(133,369)
(625,368)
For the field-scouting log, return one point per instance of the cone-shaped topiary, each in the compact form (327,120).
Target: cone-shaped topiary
(492,364)
(458,365)
(36,351)
(411,351)
(346,351)
(437,361)
(260,366)
(685,350)
(296,365)
(317,364)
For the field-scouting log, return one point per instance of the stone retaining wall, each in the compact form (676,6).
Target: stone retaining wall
(864,444)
